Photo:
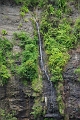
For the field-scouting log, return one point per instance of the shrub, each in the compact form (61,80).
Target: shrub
(28,68)
(22,14)
(6,116)
(4,32)
(61,4)
(37,108)
(24,9)
(32,3)
(37,85)
(4,75)
(77,29)
(5,45)
(5,48)
(57,60)
(24,39)
(30,52)
(58,39)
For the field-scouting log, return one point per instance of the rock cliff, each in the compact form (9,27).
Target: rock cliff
(15,96)
(72,86)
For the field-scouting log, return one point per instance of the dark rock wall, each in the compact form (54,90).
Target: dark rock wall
(72,87)
(17,98)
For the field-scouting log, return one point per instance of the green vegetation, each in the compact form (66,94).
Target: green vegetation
(4,74)
(37,108)
(77,71)
(55,44)
(60,34)
(7,116)
(37,85)
(24,39)
(5,47)
(61,104)
(59,37)
(4,32)
(32,3)
(22,14)
(20,25)
(29,58)
(23,11)
(77,29)
(28,68)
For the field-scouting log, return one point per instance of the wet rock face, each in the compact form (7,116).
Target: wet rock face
(51,104)
(72,87)
(17,98)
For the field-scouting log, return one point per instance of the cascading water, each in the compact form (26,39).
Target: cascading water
(50,97)
(43,68)
(40,49)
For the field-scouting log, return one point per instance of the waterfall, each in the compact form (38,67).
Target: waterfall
(50,97)
(40,48)
(43,68)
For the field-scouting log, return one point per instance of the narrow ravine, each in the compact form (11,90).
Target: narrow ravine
(50,97)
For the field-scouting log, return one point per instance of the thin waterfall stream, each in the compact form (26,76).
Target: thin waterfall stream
(43,68)
(50,96)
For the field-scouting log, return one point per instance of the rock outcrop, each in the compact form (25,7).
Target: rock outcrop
(72,86)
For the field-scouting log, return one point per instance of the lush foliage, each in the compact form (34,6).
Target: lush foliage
(6,116)
(77,71)
(59,34)
(32,3)
(37,85)
(4,32)
(4,74)
(28,68)
(37,108)
(5,47)
(59,37)
(77,29)
(61,104)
